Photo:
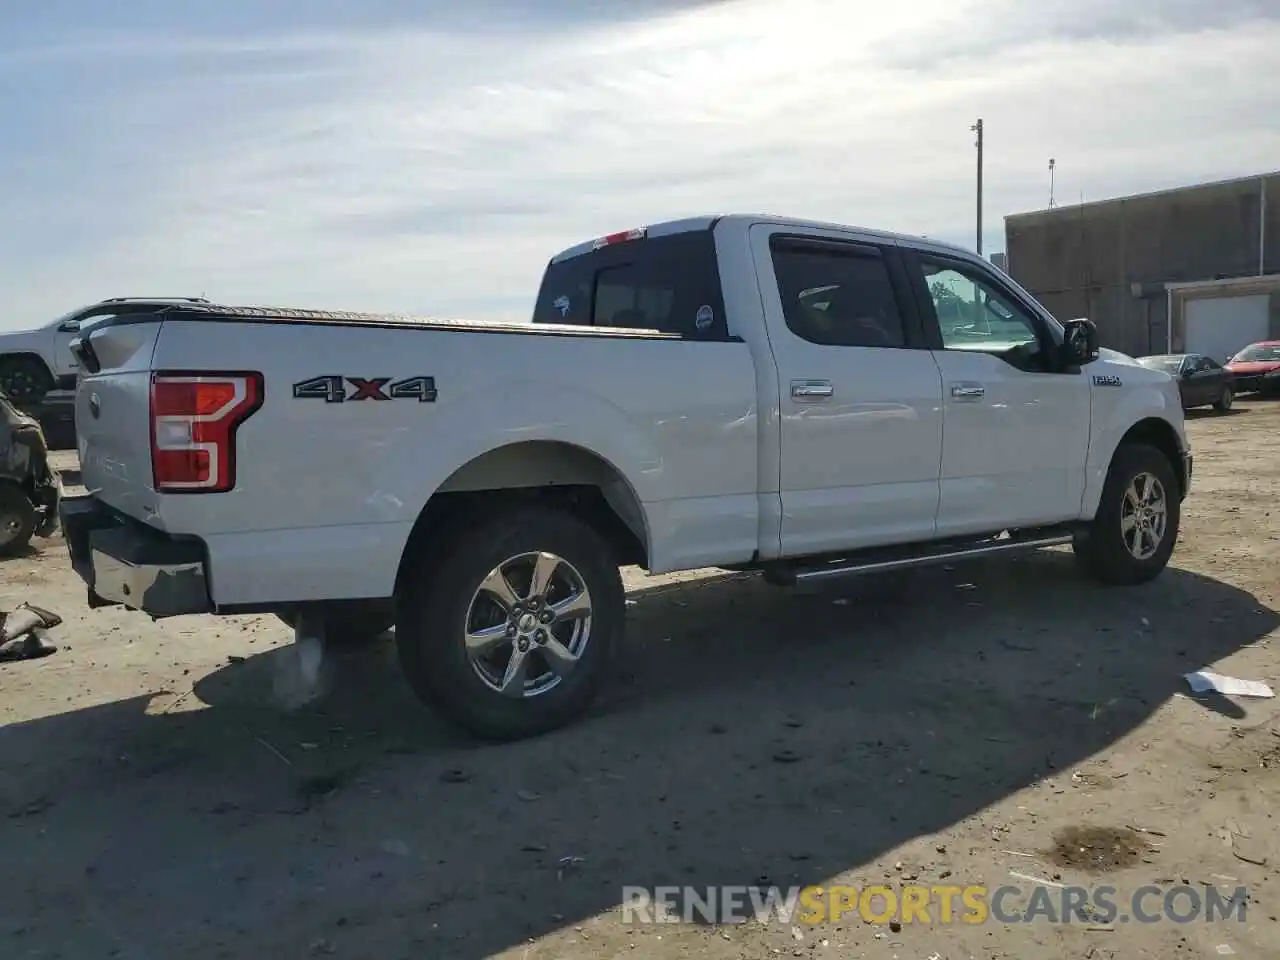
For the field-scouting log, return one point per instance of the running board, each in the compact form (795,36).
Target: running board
(888,559)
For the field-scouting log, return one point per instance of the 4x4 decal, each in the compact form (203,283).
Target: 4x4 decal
(335,389)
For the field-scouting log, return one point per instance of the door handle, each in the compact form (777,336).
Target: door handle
(811,390)
(968,391)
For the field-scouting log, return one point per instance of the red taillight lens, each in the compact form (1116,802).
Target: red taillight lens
(194,417)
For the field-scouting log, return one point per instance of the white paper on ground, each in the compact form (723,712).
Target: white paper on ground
(1204,680)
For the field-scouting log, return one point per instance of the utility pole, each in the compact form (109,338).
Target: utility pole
(977,128)
(1052,204)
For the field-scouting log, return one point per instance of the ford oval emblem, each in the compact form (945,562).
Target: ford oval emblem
(95,406)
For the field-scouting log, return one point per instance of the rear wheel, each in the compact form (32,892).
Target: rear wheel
(1224,401)
(1134,531)
(24,379)
(17,518)
(511,636)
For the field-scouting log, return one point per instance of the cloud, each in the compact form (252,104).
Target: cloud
(432,166)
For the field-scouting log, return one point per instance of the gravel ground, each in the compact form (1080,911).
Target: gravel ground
(154,804)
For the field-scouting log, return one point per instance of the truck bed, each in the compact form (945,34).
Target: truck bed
(671,426)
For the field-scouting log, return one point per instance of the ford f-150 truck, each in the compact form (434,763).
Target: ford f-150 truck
(747,392)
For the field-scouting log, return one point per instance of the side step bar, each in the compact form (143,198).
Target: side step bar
(887,559)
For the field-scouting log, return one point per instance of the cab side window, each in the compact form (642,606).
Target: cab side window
(975,314)
(836,297)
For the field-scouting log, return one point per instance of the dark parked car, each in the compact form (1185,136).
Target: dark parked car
(1257,368)
(1202,381)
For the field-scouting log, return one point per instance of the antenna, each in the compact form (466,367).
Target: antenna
(1052,164)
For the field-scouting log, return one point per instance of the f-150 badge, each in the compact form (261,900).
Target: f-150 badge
(336,389)
(1107,381)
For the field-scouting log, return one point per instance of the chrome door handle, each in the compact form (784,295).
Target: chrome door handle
(968,391)
(811,390)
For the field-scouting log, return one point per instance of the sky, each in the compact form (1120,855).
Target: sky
(429,156)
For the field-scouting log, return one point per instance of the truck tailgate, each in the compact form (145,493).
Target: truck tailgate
(113,422)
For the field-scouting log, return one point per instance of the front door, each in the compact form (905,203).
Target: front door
(860,404)
(1205,380)
(1016,428)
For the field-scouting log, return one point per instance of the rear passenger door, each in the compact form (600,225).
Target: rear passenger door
(860,405)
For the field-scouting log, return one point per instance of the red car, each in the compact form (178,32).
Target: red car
(1257,368)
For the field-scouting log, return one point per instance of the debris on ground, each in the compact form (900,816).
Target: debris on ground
(1206,681)
(23,633)
(1098,848)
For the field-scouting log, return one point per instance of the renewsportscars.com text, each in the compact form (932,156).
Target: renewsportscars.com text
(938,904)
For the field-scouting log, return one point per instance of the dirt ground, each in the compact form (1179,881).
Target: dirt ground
(154,804)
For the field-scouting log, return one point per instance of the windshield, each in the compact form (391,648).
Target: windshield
(1259,352)
(1167,364)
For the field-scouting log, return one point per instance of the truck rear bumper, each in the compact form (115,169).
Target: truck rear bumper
(127,563)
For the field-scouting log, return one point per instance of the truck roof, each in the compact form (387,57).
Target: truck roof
(706,222)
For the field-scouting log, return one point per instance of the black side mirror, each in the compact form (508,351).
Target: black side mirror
(1079,342)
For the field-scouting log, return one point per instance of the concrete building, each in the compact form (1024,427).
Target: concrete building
(1196,268)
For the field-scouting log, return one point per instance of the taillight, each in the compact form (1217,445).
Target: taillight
(194,418)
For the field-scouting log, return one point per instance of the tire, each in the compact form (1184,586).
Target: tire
(1102,550)
(353,624)
(441,600)
(18,519)
(24,379)
(1223,404)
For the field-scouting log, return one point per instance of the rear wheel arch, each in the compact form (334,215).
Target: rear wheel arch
(33,363)
(555,473)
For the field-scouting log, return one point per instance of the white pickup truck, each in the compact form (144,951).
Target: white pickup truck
(747,392)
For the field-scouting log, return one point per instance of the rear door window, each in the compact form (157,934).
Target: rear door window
(667,283)
(841,298)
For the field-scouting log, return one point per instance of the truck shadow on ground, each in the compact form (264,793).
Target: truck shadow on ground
(751,736)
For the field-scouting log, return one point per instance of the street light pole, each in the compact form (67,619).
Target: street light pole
(977,128)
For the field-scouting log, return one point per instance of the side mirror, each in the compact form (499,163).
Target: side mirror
(1079,342)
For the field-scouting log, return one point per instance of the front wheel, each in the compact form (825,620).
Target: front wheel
(1133,533)
(512,634)
(1224,402)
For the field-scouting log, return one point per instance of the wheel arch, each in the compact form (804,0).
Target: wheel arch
(26,355)
(547,471)
(1159,433)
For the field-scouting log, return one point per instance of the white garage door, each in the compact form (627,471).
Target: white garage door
(1222,326)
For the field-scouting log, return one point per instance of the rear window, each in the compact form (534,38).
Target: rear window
(1167,364)
(1258,352)
(670,283)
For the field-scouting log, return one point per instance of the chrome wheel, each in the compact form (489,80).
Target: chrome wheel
(1227,397)
(528,624)
(1144,515)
